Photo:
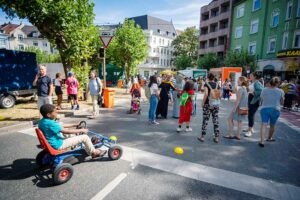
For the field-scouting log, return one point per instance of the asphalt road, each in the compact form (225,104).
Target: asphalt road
(152,170)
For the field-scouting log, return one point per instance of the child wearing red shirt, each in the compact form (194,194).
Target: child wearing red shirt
(186,106)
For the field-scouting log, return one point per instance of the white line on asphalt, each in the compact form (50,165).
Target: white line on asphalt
(232,180)
(286,122)
(30,131)
(109,187)
(224,178)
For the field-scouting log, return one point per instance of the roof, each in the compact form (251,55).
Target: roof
(9,28)
(158,26)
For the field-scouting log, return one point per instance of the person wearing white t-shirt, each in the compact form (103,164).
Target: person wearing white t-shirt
(153,99)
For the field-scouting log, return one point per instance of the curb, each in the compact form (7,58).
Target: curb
(16,127)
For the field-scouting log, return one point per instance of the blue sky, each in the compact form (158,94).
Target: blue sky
(184,13)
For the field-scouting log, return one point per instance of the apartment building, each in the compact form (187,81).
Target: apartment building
(215,20)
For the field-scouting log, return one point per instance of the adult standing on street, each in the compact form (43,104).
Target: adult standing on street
(95,90)
(210,105)
(176,104)
(162,107)
(272,97)
(44,86)
(255,90)
(240,109)
(153,99)
(290,95)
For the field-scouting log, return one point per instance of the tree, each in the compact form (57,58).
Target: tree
(186,44)
(210,60)
(128,48)
(183,61)
(68,25)
(43,57)
(240,59)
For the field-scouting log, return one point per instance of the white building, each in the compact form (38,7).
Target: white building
(23,36)
(160,34)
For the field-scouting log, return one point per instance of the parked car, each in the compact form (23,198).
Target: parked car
(17,71)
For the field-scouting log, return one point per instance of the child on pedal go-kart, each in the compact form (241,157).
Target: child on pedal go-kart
(52,131)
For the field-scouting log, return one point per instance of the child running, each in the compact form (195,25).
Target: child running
(186,106)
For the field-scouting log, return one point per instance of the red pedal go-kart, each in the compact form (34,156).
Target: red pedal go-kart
(61,161)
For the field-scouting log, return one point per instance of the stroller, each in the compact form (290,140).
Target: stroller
(135,101)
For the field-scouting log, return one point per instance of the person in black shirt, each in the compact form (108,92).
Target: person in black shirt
(44,87)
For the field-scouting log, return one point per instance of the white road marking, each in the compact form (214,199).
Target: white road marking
(109,187)
(224,178)
(232,180)
(286,122)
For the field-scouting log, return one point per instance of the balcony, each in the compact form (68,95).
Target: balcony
(218,48)
(216,34)
(216,19)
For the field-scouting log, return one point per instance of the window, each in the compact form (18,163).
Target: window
(159,41)
(237,49)
(238,32)
(256,5)
(254,26)
(2,41)
(158,30)
(252,48)
(298,9)
(286,26)
(20,37)
(298,23)
(35,43)
(297,39)
(164,62)
(35,34)
(272,45)
(45,44)
(21,47)
(153,50)
(285,40)
(163,41)
(275,19)
(289,10)
(154,40)
(161,51)
(240,11)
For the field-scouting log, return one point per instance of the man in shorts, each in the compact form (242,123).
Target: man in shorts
(44,87)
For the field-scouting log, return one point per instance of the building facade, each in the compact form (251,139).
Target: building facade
(3,40)
(159,35)
(268,30)
(22,36)
(215,20)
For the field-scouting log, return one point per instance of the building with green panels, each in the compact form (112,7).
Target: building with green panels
(270,30)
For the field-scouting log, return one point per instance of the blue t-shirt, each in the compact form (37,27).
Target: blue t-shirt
(43,86)
(51,130)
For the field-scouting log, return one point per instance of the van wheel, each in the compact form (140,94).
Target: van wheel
(7,101)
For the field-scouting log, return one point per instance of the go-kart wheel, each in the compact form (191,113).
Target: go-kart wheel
(62,173)
(81,125)
(115,152)
(39,158)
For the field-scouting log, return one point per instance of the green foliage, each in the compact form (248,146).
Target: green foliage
(67,24)
(44,57)
(186,44)
(128,48)
(240,59)
(210,60)
(183,61)
(82,75)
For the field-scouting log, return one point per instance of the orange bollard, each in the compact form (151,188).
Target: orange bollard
(143,82)
(120,84)
(108,98)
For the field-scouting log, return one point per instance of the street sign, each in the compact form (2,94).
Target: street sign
(106,37)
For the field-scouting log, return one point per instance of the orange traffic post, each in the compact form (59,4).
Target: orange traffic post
(120,84)
(108,98)
(143,82)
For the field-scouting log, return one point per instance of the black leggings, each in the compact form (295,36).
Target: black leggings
(252,110)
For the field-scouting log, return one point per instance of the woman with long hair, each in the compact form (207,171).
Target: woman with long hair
(255,89)
(272,98)
(240,110)
(153,99)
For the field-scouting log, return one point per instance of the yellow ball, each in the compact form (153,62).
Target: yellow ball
(178,150)
(114,138)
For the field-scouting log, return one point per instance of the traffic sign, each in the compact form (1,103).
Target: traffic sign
(106,37)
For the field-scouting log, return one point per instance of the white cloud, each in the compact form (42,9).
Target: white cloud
(183,14)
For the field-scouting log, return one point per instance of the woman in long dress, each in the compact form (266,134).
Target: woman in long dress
(165,86)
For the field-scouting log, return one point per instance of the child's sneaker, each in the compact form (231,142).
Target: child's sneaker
(189,129)
(77,108)
(72,107)
(179,129)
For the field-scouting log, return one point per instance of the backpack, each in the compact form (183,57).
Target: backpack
(183,99)
(214,96)
(147,93)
